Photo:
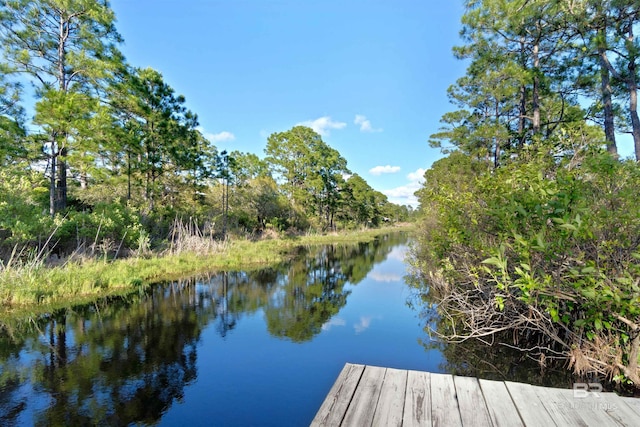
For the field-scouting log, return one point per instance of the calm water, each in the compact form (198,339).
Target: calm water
(239,348)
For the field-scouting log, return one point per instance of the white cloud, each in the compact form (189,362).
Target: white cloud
(398,253)
(379,170)
(404,191)
(377,276)
(365,322)
(417,176)
(323,125)
(403,195)
(223,136)
(333,322)
(365,124)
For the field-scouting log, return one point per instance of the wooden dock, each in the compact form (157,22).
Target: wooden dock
(372,396)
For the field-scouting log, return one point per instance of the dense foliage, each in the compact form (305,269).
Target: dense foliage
(531,224)
(112,155)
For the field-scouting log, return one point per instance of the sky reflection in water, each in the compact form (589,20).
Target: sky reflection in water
(259,348)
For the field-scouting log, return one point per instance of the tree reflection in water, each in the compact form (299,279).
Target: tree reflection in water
(126,360)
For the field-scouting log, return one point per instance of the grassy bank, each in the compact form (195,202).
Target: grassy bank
(35,288)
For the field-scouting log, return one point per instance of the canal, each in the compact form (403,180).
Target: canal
(236,348)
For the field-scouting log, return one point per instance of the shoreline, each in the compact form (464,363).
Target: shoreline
(31,291)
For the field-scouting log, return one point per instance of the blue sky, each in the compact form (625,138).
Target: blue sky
(369,75)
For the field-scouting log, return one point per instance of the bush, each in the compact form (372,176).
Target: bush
(103,229)
(547,248)
(24,206)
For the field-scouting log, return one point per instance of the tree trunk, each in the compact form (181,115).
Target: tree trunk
(633,93)
(632,86)
(225,201)
(631,369)
(605,82)
(226,208)
(633,111)
(84,180)
(496,152)
(52,180)
(523,99)
(61,202)
(152,204)
(129,175)
(149,179)
(61,193)
(609,127)
(536,90)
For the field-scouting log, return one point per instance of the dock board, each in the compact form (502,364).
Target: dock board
(375,396)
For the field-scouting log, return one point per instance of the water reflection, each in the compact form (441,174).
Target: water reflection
(118,362)
(494,361)
(492,358)
(124,361)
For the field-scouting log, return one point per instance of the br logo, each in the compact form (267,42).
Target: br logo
(583,390)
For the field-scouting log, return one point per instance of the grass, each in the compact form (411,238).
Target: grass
(32,288)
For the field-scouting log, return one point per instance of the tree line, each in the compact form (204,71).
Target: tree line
(531,223)
(112,153)
(536,67)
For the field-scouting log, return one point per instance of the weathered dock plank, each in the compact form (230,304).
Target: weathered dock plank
(473,409)
(591,409)
(390,407)
(417,403)
(557,406)
(633,403)
(337,401)
(365,399)
(531,410)
(374,396)
(615,407)
(444,403)
(501,408)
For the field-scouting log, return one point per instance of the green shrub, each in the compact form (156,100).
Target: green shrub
(23,207)
(549,248)
(109,225)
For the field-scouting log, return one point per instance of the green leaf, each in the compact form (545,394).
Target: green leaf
(598,324)
(495,261)
(568,226)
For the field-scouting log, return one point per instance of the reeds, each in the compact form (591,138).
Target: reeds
(189,237)
(27,283)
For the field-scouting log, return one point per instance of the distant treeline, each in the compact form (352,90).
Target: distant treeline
(112,156)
